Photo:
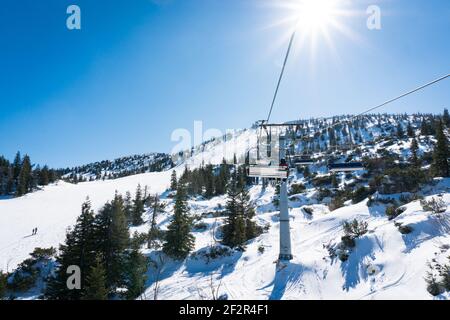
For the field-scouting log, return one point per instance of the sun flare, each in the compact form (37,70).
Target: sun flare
(315,22)
(315,15)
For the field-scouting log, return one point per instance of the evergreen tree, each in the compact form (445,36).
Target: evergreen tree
(17,165)
(222,179)
(112,236)
(24,182)
(173,180)
(423,128)
(234,228)
(128,207)
(414,154)
(135,275)
(179,240)
(44,176)
(248,212)
(410,130)
(79,249)
(209,181)
(440,155)
(138,208)
(157,208)
(95,288)
(400,132)
(446,118)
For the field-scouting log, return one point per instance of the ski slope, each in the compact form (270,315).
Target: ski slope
(55,208)
(384,264)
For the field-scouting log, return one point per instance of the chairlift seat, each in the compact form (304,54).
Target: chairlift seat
(345,167)
(265,171)
(303,160)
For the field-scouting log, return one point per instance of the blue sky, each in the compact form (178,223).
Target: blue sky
(139,69)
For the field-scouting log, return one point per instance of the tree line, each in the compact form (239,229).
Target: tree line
(20,177)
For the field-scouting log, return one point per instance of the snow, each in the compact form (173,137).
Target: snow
(385,264)
(54,209)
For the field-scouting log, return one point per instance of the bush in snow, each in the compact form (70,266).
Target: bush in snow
(308,210)
(261,249)
(393,211)
(438,278)
(433,285)
(434,205)
(355,228)
(297,188)
(348,241)
(404,229)
(322,181)
(212,252)
(360,194)
(336,203)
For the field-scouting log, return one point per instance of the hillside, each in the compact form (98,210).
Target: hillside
(384,264)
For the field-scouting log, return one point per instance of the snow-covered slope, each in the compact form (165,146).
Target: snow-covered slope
(385,264)
(56,207)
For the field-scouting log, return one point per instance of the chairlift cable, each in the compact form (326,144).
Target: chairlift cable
(391,100)
(281,75)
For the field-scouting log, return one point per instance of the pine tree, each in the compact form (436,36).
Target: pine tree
(157,208)
(24,182)
(414,153)
(112,237)
(248,213)
(95,288)
(440,155)
(128,206)
(400,132)
(234,228)
(79,249)
(138,208)
(17,165)
(209,181)
(410,130)
(423,128)
(222,179)
(173,180)
(446,118)
(44,176)
(135,275)
(179,240)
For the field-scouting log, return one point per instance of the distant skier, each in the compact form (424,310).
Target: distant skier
(35,230)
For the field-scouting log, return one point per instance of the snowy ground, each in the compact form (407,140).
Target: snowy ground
(384,265)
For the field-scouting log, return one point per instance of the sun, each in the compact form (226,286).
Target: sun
(313,23)
(315,15)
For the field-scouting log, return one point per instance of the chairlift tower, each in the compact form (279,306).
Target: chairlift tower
(285,232)
(280,172)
